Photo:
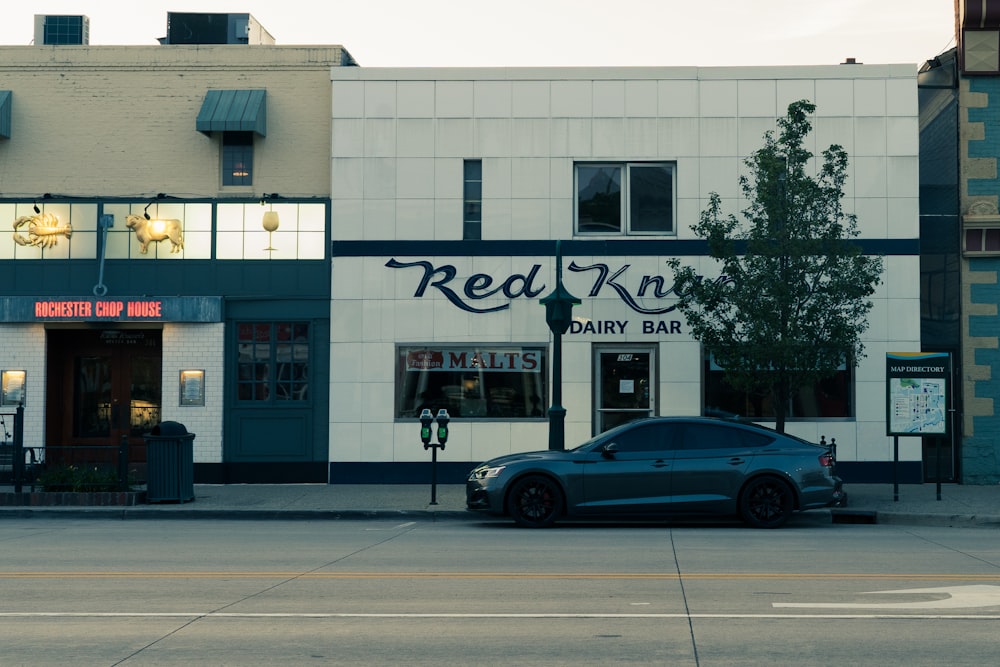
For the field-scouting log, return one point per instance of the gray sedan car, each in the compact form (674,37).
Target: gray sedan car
(662,466)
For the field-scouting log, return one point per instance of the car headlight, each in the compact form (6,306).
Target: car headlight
(487,472)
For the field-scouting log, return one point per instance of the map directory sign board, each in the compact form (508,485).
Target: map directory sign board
(917,393)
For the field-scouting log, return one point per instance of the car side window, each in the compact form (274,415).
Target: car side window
(713,436)
(645,438)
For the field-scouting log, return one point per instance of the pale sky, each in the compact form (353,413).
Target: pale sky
(519,33)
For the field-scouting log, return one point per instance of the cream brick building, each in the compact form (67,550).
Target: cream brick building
(100,133)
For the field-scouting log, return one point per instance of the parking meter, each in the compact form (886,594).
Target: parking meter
(442,420)
(426,419)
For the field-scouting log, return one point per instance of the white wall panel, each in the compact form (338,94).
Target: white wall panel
(757,98)
(641,140)
(678,137)
(415,99)
(529,137)
(718,99)
(902,176)
(530,99)
(641,99)
(678,98)
(380,99)
(379,219)
(493,138)
(869,97)
(348,137)
(453,99)
(869,136)
(415,178)
(718,137)
(834,97)
(609,99)
(492,99)
(572,99)
(793,90)
(415,137)
(454,137)
(608,138)
(348,99)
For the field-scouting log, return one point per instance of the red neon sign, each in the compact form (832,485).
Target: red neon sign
(145,309)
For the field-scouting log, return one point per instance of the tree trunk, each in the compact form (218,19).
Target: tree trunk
(781,397)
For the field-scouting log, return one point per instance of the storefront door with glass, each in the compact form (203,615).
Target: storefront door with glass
(102,384)
(625,386)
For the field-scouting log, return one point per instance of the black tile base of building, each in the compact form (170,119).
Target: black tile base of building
(455,472)
(880,472)
(307,472)
(415,472)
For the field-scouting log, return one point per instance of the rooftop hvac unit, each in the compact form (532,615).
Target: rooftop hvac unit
(197,28)
(57,29)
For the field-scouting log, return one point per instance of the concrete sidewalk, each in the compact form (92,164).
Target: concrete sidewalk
(917,504)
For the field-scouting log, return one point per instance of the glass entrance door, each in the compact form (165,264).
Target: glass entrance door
(625,385)
(102,385)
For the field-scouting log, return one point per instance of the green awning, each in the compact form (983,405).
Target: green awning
(233,111)
(5,114)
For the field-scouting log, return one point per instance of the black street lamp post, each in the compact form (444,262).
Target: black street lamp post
(558,315)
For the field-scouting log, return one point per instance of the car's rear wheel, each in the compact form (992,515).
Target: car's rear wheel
(535,501)
(766,502)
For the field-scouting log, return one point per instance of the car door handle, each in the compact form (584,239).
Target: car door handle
(660,464)
(736,460)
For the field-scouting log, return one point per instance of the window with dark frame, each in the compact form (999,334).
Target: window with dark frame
(625,198)
(498,381)
(982,240)
(273,361)
(237,158)
(828,398)
(472,200)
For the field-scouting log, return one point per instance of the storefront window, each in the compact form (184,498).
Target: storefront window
(478,382)
(830,397)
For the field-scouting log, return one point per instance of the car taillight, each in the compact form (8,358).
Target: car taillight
(826,460)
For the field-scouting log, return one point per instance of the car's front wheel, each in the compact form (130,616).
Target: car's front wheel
(766,502)
(535,501)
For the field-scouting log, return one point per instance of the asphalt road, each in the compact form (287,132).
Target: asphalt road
(94,592)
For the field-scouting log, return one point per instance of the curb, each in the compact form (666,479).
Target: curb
(941,520)
(146,513)
(143,514)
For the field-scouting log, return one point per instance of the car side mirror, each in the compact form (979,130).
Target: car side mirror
(609,450)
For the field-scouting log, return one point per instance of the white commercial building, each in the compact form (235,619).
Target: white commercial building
(450,188)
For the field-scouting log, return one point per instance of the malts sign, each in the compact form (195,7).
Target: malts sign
(123,309)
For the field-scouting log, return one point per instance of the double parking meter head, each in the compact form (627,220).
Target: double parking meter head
(442,420)
(426,419)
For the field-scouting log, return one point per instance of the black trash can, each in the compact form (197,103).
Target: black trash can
(169,464)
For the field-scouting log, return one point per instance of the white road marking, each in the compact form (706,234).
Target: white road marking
(459,616)
(958,597)
(399,527)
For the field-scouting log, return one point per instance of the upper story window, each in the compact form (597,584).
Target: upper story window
(625,198)
(237,158)
(472,205)
(165,229)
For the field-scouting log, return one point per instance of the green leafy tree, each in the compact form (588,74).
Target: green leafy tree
(795,297)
